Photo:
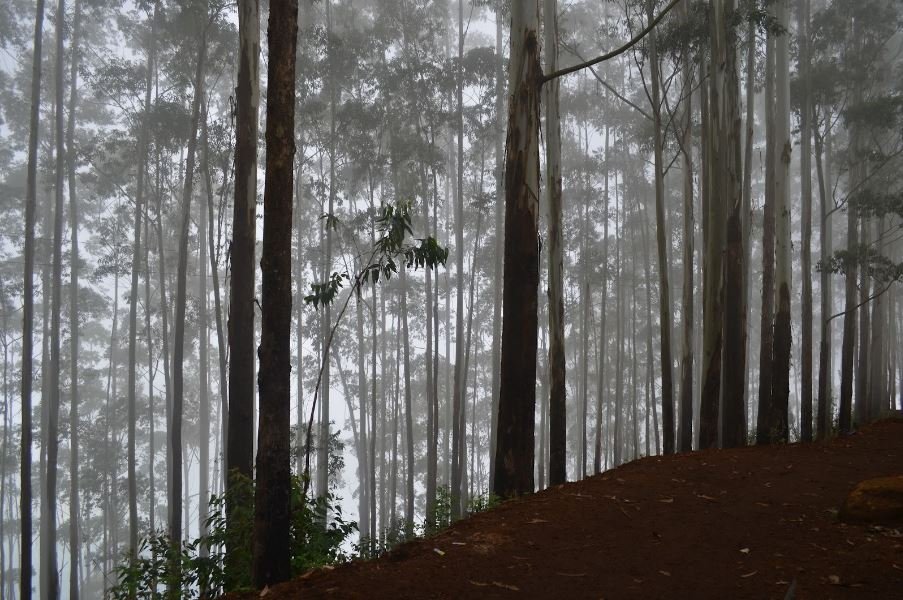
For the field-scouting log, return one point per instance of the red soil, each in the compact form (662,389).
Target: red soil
(745,523)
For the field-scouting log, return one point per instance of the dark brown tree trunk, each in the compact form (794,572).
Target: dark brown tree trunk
(408,414)
(517,395)
(272,502)
(240,447)
(499,138)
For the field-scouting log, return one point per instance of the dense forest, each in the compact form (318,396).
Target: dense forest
(291,282)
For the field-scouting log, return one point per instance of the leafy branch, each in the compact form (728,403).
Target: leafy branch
(388,252)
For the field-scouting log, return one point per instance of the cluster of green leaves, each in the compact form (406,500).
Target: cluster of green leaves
(395,226)
(206,570)
(879,267)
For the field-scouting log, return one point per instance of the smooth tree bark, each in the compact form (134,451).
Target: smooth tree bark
(408,410)
(178,353)
(778,423)
(806,245)
(824,421)
(458,456)
(661,239)
(685,426)
(240,447)
(729,190)
(713,290)
(272,502)
(517,393)
(558,389)
(50,584)
(74,491)
(133,292)
(25,494)
(603,313)
(766,324)
(499,141)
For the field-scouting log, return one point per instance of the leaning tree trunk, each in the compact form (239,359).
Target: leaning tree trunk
(178,353)
(778,424)
(517,394)
(272,502)
(558,390)
(50,584)
(25,495)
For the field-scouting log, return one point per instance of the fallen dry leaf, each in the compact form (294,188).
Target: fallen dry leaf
(833,579)
(505,586)
(747,575)
(666,500)
(744,550)
(438,551)
(665,573)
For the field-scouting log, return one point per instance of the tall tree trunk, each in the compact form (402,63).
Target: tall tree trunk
(326,322)
(240,447)
(213,254)
(766,326)
(713,289)
(363,456)
(458,408)
(864,358)
(603,315)
(782,325)
(272,502)
(685,427)
(661,237)
(408,414)
(74,539)
(50,585)
(203,367)
(730,191)
(178,384)
(805,247)
(133,293)
(25,494)
(824,420)
(558,388)
(499,139)
(746,214)
(517,395)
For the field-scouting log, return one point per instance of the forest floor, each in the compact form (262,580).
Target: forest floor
(744,523)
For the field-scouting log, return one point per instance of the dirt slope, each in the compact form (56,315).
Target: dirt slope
(747,523)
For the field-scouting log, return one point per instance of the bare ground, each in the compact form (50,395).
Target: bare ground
(747,523)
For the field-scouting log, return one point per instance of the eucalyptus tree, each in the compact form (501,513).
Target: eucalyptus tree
(25,495)
(50,585)
(778,423)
